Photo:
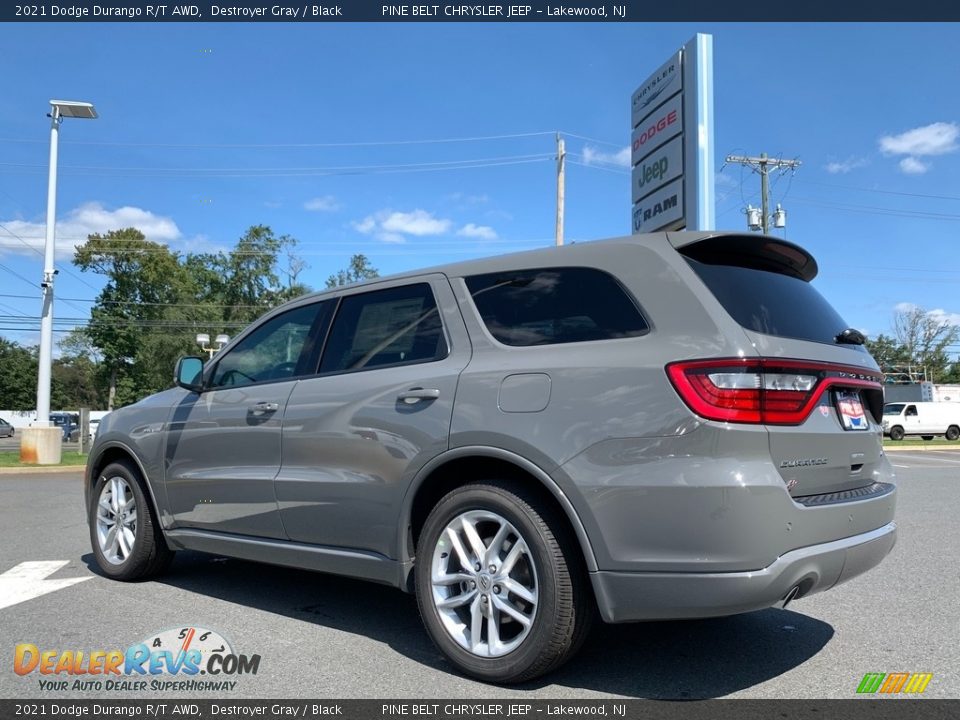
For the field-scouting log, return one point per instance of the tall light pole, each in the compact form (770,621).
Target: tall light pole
(41,451)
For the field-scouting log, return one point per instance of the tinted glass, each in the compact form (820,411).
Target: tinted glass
(397,326)
(893,409)
(772,303)
(554,305)
(271,352)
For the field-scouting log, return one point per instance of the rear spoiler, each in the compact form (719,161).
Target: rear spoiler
(760,252)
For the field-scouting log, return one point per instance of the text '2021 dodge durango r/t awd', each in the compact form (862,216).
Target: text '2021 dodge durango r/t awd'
(673,425)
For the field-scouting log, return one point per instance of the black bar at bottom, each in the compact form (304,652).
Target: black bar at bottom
(226,709)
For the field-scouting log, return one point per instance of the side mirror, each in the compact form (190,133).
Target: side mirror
(189,373)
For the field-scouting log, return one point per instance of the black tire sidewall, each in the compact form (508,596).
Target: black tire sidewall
(486,497)
(953,431)
(896,433)
(133,566)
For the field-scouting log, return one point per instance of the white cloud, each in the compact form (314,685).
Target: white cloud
(89,218)
(938,138)
(325,203)
(460,197)
(481,232)
(842,167)
(912,166)
(592,156)
(941,315)
(392,227)
(418,222)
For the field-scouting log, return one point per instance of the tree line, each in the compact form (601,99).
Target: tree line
(153,304)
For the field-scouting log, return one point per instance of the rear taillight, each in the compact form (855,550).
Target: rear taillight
(767,391)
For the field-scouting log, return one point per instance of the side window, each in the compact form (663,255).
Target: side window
(397,326)
(555,305)
(276,350)
(911,411)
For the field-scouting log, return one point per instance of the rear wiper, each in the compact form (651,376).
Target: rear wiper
(850,336)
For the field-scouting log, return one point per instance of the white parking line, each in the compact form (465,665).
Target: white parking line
(927,456)
(28,580)
(902,466)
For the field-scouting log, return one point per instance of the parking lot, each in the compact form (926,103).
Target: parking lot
(322,636)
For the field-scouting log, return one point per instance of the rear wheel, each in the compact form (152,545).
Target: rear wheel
(953,433)
(126,539)
(499,583)
(896,433)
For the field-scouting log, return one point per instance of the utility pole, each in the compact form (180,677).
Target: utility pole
(561,168)
(762,165)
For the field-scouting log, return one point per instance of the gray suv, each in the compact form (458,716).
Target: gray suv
(673,425)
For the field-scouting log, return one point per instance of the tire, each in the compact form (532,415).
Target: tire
(554,598)
(896,433)
(953,433)
(149,555)
(927,437)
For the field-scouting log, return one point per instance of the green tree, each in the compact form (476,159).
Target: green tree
(18,390)
(925,338)
(359,269)
(131,321)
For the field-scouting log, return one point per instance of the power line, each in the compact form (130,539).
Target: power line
(369,143)
(301,169)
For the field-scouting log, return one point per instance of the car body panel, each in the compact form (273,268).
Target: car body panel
(351,446)
(662,500)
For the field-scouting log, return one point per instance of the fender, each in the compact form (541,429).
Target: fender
(521,462)
(111,444)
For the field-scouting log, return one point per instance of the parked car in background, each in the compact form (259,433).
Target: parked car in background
(6,429)
(925,419)
(663,426)
(69,423)
(94,426)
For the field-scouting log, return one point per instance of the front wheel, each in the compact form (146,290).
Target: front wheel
(499,583)
(896,433)
(126,539)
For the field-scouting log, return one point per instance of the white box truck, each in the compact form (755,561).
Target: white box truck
(926,419)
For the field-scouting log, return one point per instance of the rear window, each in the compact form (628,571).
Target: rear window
(772,303)
(554,305)
(893,408)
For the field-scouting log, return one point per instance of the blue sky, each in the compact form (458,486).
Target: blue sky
(870,110)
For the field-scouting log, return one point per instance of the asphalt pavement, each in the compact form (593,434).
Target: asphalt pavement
(323,636)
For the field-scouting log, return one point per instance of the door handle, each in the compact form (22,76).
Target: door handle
(415,395)
(264,407)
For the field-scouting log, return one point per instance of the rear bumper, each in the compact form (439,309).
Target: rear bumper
(626,596)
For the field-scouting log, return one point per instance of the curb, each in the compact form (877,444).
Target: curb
(41,469)
(922,448)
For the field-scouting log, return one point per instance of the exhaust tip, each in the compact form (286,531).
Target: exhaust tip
(789,597)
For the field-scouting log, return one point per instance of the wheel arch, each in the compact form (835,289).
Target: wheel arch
(113,452)
(465,464)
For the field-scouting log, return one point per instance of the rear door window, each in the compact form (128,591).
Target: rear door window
(555,305)
(771,303)
(396,326)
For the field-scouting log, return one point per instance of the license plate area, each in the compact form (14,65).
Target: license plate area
(850,409)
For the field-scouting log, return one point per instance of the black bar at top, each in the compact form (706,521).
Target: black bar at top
(615,11)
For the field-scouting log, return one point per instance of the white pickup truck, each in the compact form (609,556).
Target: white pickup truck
(921,418)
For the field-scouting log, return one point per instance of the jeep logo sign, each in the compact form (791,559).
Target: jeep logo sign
(661,210)
(657,169)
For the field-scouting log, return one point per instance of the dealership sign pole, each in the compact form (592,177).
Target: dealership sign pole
(672,143)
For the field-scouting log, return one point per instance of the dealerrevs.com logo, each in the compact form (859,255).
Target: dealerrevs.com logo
(181,659)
